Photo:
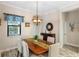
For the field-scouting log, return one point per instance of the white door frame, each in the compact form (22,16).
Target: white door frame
(61,26)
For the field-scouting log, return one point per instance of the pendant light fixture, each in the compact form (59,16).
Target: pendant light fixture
(36,18)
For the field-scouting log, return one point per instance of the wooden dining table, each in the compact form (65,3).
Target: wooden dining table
(37,46)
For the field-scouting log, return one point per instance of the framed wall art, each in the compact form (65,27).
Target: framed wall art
(27,24)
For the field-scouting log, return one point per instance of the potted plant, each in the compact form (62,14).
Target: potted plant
(36,37)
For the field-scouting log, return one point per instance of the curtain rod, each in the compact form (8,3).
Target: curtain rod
(12,14)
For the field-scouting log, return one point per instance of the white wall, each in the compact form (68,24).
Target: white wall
(52,16)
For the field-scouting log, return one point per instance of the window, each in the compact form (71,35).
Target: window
(13,24)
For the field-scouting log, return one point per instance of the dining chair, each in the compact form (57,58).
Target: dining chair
(53,50)
(25,49)
(51,39)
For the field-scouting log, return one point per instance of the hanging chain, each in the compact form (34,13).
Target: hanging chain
(37,8)
(37,11)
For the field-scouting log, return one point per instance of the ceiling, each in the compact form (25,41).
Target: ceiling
(43,6)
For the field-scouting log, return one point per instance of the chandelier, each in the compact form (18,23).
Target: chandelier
(36,19)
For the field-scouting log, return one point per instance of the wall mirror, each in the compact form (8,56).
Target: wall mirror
(49,26)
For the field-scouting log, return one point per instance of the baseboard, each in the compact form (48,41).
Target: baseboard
(72,44)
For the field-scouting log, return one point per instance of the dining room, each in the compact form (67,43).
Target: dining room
(34,29)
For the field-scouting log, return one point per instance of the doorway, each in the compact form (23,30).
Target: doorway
(71,30)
